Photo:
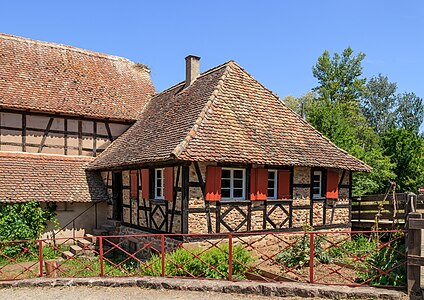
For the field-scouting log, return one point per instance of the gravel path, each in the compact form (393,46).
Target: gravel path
(116,293)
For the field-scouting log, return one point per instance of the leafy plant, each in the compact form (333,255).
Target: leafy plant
(23,221)
(212,263)
(298,255)
(390,260)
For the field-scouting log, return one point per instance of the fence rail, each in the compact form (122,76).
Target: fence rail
(344,257)
(384,211)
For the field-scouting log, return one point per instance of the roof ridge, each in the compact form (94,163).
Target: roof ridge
(66,47)
(207,72)
(299,117)
(193,131)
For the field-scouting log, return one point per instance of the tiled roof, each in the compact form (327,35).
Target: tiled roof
(224,116)
(48,178)
(55,78)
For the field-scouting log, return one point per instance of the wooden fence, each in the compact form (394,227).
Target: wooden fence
(415,252)
(384,211)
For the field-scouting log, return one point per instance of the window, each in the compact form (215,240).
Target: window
(317,184)
(159,184)
(233,184)
(272,184)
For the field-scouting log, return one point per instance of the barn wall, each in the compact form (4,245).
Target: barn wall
(55,134)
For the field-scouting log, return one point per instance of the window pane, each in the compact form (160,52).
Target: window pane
(225,183)
(271,184)
(271,175)
(316,184)
(238,193)
(238,184)
(316,190)
(271,193)
(317,178)
(225,174)
(225,193)
(158,173)
(158,192)
(238,174)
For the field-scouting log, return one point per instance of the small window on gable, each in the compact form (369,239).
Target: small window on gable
(159,184)
(233,183)
(317,184)
(272,184)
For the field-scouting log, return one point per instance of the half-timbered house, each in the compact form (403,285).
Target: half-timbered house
(60,107)
(219,152)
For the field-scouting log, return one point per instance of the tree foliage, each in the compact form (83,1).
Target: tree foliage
(24,221)
(369,120)
(336,112)
(379,103)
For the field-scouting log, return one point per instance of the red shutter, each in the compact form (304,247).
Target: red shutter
(168,177)
(213,183)
(332,185)
(133,184)
(145,183)
(284,184)
(258,184)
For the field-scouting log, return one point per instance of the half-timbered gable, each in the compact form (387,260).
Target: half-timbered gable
(59,105)
(59,99)
(241,160)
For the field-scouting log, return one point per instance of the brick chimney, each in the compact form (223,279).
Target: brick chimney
(192,69)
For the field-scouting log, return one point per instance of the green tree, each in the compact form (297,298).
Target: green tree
(300,105)
(336,112)
(339,76)
(379,102)
(410,112)
(406,150)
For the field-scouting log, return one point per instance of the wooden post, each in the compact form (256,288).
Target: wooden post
(413,249)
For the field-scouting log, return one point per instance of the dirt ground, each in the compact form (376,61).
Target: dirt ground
(116,293)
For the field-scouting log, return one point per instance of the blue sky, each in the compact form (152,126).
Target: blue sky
(275,41)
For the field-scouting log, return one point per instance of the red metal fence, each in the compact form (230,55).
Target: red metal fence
(357,258)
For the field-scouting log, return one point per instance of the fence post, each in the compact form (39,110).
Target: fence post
(162,238)
(413,271)
(102,270)
(230,257)
(411,202)
(40,255)
(311,256)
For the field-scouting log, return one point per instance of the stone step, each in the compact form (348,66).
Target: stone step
(67,254)
(99,232)
(85,244)
(75,249)
(109,228)
(90,237)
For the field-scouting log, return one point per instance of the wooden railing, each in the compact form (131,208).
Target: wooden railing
(384,211)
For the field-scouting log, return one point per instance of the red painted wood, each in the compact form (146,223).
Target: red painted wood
(133,184)
(284,184)
(259,184)
(332,185)
(168,174)
(145,183)
(213,183)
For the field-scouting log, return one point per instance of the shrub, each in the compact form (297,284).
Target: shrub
(212,263)
(23,221)
(358,245)
(298,255)
(389,259)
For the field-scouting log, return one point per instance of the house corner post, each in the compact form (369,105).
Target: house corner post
(413,251)
(185,181)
